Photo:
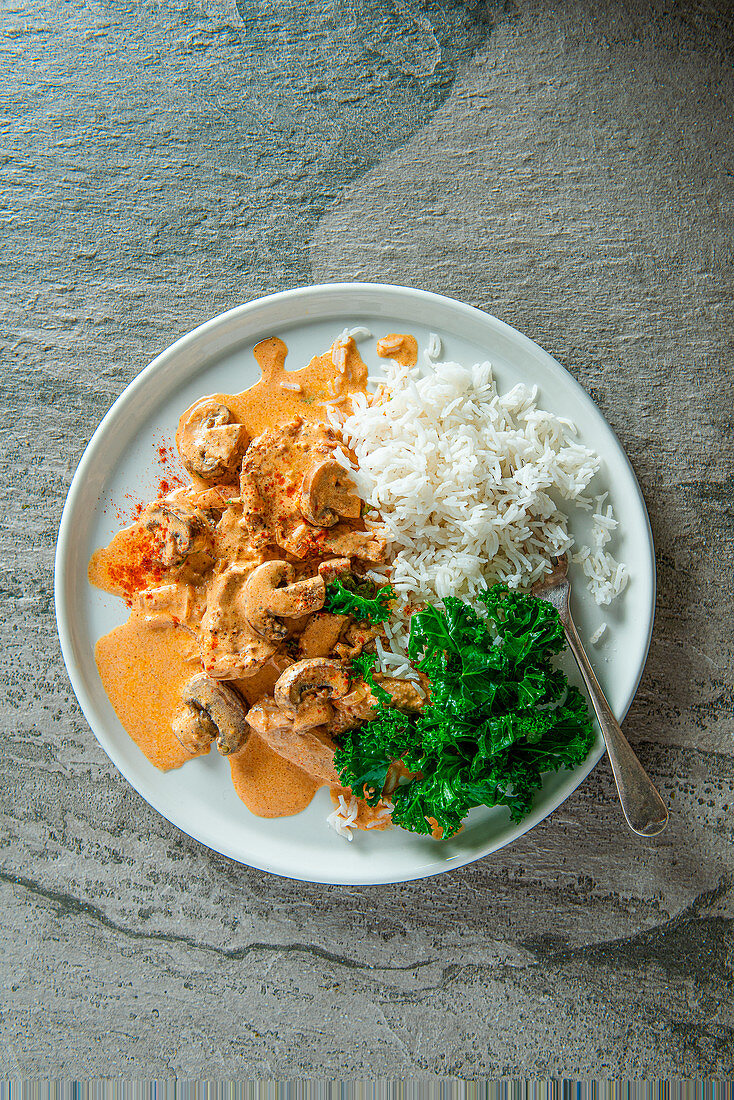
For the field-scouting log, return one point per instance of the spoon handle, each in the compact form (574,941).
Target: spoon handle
(643,807)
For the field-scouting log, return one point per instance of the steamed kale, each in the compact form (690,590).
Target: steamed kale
(500,714)
(365,601)
(367,752)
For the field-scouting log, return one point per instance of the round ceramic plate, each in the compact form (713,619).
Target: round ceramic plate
(120,461)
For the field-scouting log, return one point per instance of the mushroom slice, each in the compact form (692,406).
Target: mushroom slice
(272,594)
(183,538)
(317,674)
(211,441)
(210,710)
(328,494)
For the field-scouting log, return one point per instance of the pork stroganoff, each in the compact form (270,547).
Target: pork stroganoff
(336,597)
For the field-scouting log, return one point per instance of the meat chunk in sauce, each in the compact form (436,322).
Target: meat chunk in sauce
(312,750)
(321,634)
(359,704)
(230,648)
(169,605)
(275,469)
(279,504)
(272,475)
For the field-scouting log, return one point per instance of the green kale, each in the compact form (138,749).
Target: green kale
(365,601)
(500,715)
(367,752)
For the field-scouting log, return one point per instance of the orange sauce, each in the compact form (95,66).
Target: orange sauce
(399,346)
(271,402)
(262,683)
(269,785)
(125,566)
(143,668)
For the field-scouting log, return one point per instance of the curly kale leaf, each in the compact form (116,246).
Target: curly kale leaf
(365,601)
(500,715)
(530,629)
(367,752)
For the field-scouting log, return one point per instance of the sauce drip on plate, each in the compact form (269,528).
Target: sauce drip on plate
(145,663)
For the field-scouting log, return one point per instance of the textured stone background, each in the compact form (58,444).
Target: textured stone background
(567,166)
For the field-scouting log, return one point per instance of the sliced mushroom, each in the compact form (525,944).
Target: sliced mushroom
(183,538)
(312,714)
(272,594)
(328,494)
(194,730)
(210,710)
(306,688)
(211,441)
(315,674)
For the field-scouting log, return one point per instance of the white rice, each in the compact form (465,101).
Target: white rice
(435,346)
(343,459)
(472,487)
(343,817)
(359,332)
(606,577)
(339,356)
(385,346)
(467,484)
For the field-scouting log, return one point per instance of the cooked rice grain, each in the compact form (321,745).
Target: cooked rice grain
(469,483)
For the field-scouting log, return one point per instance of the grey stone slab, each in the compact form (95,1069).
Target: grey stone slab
(567,167)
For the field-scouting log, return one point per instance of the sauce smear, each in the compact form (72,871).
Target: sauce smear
(143,670)
(144,667)
(267,784)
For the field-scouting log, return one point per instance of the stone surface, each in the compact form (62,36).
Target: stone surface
(567,167)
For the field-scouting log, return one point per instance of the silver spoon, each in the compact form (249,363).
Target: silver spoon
(642,805)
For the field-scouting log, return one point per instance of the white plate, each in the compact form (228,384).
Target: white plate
(199,798)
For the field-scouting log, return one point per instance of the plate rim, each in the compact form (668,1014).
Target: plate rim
(65,541)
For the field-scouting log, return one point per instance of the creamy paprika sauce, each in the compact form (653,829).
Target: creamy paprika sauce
(227,642)
(281,395)
(143,671)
